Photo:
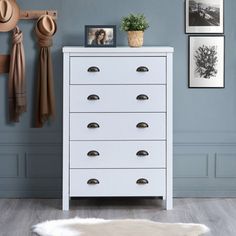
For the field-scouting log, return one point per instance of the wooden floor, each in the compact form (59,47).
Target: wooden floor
(17,216)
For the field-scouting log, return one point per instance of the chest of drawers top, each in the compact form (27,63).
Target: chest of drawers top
(143,51)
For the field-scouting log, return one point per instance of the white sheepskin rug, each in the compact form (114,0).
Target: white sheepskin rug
(100,227)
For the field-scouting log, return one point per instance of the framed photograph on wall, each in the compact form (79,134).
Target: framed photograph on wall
(206,61)
(100,36)
(204,16)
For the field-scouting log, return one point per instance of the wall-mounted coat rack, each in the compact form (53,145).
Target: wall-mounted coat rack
(24,15)
(32,15)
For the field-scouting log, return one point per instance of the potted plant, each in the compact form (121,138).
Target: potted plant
(135,25)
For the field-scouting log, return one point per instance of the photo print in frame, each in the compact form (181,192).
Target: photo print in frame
(100,36)
(206,61)
(204,16)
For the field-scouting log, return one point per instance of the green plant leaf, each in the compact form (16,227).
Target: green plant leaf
(134,22)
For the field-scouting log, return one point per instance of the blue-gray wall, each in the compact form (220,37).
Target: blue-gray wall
(204,120)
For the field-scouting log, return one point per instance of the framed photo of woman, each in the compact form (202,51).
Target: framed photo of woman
(100,36)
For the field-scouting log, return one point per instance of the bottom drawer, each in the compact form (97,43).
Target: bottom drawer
(117,182)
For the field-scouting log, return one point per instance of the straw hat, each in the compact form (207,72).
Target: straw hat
(9,15)
(47,25)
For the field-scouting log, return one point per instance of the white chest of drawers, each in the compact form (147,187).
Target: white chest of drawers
(117,123)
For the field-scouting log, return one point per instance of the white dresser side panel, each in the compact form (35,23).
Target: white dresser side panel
(66,136)
(169,132)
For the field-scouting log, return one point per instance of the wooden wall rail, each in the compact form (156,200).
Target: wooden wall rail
(33,15)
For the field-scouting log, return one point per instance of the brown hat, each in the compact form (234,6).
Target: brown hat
(47,25)
(9,15)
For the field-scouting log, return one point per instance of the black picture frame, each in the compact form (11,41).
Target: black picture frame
(190,66)
(205,29)
(88,29)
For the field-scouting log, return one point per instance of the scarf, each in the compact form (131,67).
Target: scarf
(17,83)
(45,86)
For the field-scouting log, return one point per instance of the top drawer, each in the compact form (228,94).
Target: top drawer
(118,70)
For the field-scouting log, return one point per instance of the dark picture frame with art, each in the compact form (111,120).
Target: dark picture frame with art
(207,61)
(100,36)
(204,16)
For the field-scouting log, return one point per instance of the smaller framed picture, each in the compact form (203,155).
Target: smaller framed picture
(100,36)
(206,61)
(204,16)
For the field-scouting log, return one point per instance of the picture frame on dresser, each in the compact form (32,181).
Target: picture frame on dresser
(100,36)
(206,61)
(204,16)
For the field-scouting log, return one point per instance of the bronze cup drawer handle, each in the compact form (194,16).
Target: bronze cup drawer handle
(142,97)
(142,69)
(142,181)
(93,69)
(93,182)
(142,153)
(142,125)
(93,154)
(93,97)
(93,126)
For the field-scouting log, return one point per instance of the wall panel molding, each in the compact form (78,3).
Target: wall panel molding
(30,170)
(191,165)
(205,137)
(185,144)
(9,165)
(31,145)
(30,194)
(225,165)
(43,165)
(19,137)
(221,170)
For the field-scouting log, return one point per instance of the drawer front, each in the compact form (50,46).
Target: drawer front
(118,70)
(118,126)
(101,182)
(118,98)
(118,154)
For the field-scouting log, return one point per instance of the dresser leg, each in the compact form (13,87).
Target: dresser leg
(169,203)
(66,203)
